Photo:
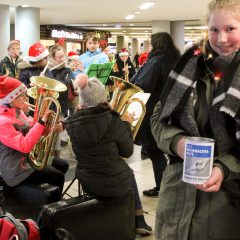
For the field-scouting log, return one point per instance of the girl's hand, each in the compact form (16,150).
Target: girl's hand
(58,127)
(46,115)
(181,147)
(129,117)
(214,182)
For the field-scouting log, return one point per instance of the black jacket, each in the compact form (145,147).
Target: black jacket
(152,77)
(63,75)
(27,71)
(100,139)
(120,66)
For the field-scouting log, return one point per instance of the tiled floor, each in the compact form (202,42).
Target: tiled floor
(144,176)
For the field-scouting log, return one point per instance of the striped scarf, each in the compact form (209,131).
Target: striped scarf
(177,99)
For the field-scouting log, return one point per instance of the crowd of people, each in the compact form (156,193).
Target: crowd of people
(193,95)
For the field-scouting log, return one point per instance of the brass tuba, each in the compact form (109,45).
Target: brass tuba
(45,94)
(122,101)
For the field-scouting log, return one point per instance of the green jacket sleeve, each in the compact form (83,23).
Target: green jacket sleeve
(163,132)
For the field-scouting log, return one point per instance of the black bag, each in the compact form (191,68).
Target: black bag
(82,218)
(26,201)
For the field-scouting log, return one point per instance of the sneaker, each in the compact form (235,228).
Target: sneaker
(151,192)
(141,227)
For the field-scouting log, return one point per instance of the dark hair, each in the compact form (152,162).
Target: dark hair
(162,43)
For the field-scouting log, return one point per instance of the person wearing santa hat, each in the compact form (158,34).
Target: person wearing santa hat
(18,137)
(9,65)
(35,63)
(125,67)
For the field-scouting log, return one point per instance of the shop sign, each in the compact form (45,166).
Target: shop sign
(60,34)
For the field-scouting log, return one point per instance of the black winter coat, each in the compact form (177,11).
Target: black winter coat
(120,65)
(152,77)
(100,139)
(63,75)
(27,71)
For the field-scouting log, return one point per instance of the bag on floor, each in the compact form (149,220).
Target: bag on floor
(15,229)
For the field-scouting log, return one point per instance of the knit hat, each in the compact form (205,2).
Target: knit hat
(123,52)
(37,52)
(73,55)
(91,91)
(10,88)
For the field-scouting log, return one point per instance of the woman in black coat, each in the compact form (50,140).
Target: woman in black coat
(152,78)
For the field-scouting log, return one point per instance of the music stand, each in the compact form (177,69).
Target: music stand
(100,71)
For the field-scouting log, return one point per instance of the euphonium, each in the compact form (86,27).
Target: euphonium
(121,101)
(45,94)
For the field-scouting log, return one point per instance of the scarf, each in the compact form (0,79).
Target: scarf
(177,100)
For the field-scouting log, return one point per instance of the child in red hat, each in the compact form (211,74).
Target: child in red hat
(37,60)
(19,136)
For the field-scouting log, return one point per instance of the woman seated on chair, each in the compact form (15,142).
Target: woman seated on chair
(18,137)
(100,138)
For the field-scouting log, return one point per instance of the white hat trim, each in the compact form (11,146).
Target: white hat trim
(122,54)
(14,94)
(39,57)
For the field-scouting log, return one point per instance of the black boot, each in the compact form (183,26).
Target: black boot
(141,226)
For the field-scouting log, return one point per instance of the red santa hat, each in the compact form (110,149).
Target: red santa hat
(123,52)
(37,52)
(10,88)
(73,55)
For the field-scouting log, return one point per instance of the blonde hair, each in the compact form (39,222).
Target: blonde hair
(220,4)
(12,43)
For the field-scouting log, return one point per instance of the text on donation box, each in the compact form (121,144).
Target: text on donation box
(198,160)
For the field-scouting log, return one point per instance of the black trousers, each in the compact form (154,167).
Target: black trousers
(52,174)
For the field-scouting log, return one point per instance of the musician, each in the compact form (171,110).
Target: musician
(18,137)
(93,54)
(9,65)
(34,66)
(125,66)
(100,139)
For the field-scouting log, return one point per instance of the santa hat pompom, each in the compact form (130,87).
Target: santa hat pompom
(123,52)
(81,81)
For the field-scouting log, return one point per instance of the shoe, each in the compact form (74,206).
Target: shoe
(151,192)
(141,227)
(64,143)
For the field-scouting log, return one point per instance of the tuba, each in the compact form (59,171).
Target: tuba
(123,101)
(45,92)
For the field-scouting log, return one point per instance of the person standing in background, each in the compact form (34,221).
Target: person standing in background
(9,65)
(152,77)
(93,54)
(135,60)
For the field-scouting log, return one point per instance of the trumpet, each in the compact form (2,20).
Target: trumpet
(123,102)
(45,93)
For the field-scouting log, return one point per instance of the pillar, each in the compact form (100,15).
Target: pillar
(27,27)
(4,30)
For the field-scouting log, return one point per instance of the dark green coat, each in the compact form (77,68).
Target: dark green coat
(9,68)
(183,212)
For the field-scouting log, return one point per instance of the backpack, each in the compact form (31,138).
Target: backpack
(14,229)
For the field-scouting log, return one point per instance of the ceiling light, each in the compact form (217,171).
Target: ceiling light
(146,5)
(131,24)
(25,6)
(137,13)
(129,17)
(104,25)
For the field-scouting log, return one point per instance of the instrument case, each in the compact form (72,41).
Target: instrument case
(90,218)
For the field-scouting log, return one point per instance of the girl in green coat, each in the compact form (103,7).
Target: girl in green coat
(202,99)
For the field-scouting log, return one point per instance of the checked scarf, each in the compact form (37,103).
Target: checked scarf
(178,99)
